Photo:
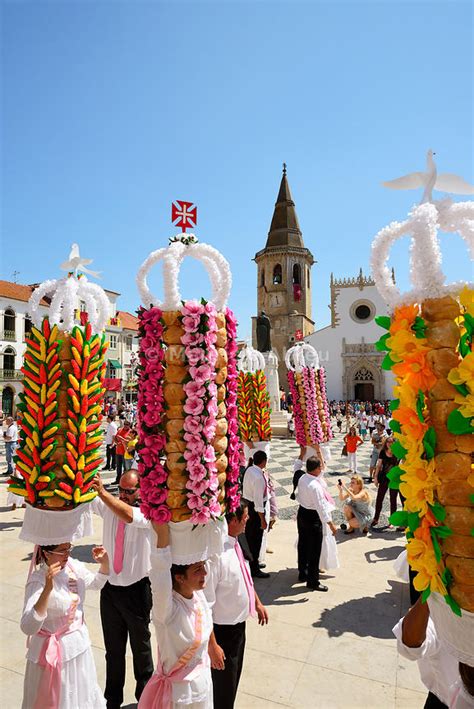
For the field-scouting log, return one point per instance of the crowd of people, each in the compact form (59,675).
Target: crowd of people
(199,610)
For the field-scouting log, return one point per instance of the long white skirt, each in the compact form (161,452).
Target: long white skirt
(79,688)
(329,558)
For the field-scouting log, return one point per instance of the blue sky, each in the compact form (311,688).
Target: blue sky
(111,110)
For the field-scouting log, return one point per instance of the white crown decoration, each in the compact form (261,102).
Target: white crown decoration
(301,355)
(66,294)
(172,256)
(250,360)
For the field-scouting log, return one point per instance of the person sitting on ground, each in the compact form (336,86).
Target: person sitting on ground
(358,510)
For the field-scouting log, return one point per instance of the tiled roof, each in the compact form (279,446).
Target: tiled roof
(127,320)
(17,291)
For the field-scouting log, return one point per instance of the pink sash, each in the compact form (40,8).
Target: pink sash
(49,690)
(158,691)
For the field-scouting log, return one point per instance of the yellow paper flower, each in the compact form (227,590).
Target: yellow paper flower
(403,345)
(464,372)
(466,405)
(466,297)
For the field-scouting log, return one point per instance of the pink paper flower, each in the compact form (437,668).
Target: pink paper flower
(201,374)
(195,355)
(192,424)
(193,406)
(192,389)
(192,338)
(191,322)
(202,516)
(192,307)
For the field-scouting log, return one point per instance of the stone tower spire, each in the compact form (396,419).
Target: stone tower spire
(284,277)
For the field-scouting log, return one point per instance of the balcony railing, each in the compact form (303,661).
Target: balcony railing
(9,374)
(9,335)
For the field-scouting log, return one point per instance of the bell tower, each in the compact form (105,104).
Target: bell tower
(284,278)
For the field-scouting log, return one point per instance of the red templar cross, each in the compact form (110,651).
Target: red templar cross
(185,213)
(298,335)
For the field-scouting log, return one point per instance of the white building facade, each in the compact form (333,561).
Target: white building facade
(347,346)
(15,324)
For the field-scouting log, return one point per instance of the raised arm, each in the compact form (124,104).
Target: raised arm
(160,575)
(119,508)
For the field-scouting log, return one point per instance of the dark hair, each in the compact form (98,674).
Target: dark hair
(467,675)
(178,570)
(40,552)
(312,463)
(238,513)
(259,457)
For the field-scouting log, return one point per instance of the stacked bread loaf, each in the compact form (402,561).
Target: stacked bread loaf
(454,451)
(61,406)
(176,373)
(183,412)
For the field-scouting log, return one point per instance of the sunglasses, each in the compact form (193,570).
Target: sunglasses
(128,490)
(61,552)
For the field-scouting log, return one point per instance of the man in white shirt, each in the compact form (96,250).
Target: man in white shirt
(232,597)
(417,639)
(11,441)
(313,512)
(255,491)
(110,434)
(125,600)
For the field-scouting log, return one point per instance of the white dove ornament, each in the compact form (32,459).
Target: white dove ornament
(430,180)
(67,294)
(423,224)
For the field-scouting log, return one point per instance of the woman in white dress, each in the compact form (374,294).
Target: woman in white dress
(60,671)
(183,624)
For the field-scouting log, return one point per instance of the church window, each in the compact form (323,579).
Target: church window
(297,274)
(277,275)
(362,311)
(262,277)
(308,277)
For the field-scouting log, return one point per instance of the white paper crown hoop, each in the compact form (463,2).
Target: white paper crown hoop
(172,256)
(250,360)
(301,355)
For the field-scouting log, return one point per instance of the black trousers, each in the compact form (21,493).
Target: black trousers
(254,535)
(432,702)
(310,539)
(225,682)
(125,613)
(119,469)
(110,457)
(381,492)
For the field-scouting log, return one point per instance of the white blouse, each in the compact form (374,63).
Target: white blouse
(174,619)
(225,589)
(59,602)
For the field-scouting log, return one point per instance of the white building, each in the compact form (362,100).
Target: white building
(121,331)
(347,346)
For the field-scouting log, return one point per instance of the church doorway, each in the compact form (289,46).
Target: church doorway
(364,385)
(364,391)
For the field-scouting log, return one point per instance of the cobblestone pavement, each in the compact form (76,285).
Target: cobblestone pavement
(326,651)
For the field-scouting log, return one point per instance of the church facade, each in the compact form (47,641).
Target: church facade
(346,347)
(284,293)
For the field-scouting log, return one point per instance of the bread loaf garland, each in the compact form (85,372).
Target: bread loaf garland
(184,429)
(61,407)
(253,406)
(429,351)
(310,406)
